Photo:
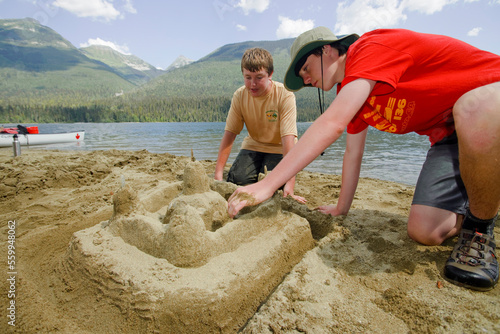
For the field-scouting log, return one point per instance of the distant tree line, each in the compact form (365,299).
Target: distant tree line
(123,109)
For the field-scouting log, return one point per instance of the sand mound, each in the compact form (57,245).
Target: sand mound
(188,266)
(86,223)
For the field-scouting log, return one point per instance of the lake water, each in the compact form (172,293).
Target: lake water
(387,156)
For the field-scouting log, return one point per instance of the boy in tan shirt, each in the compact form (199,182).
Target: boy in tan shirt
(268,110)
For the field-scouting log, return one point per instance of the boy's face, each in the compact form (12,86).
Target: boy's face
(257,83)
(312,74)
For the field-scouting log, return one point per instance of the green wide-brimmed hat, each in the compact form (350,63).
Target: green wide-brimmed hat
(307,42)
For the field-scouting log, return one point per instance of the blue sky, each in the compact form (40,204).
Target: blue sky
(160,31)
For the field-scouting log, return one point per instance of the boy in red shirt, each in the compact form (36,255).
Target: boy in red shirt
(400,81)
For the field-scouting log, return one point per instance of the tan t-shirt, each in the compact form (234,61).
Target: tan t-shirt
(267,118)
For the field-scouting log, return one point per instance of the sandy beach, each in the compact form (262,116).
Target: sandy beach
(89,255)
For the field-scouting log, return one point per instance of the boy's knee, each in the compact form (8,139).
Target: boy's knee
(240,178)
(424,239)
(418,232)
(480,103)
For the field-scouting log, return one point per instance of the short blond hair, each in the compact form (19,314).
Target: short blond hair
(255,59)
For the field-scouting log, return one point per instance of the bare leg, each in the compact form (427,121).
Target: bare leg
(432,226)
(477,121)
(473,262)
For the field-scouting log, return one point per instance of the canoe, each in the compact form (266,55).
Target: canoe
(29,139)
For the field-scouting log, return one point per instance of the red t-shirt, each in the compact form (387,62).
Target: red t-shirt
(419,79)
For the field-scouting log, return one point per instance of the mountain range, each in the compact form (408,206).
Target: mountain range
(38,66)
(129,67)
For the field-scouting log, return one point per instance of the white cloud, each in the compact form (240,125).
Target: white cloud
(360,16)
(292,28)
(120,48)
(426,6)
(474,32)
(257,5)
(129,7)
(241,27)
(89,8)
(102,9)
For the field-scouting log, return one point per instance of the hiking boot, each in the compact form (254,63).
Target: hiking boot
(473,262)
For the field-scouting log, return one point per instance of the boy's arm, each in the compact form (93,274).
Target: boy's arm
(288,142)
(225,147)
(351,167)
(321,134)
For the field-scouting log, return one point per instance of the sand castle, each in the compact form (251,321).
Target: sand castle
(174,258)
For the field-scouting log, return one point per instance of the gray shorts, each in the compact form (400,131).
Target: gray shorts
(439,184)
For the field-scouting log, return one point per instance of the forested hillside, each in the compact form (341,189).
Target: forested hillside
(38,66)
(46,79)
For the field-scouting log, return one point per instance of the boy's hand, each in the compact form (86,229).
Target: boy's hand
(247,196)
(288,191)
(299,199)
(332,209)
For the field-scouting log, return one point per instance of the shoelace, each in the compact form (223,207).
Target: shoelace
(477,244)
